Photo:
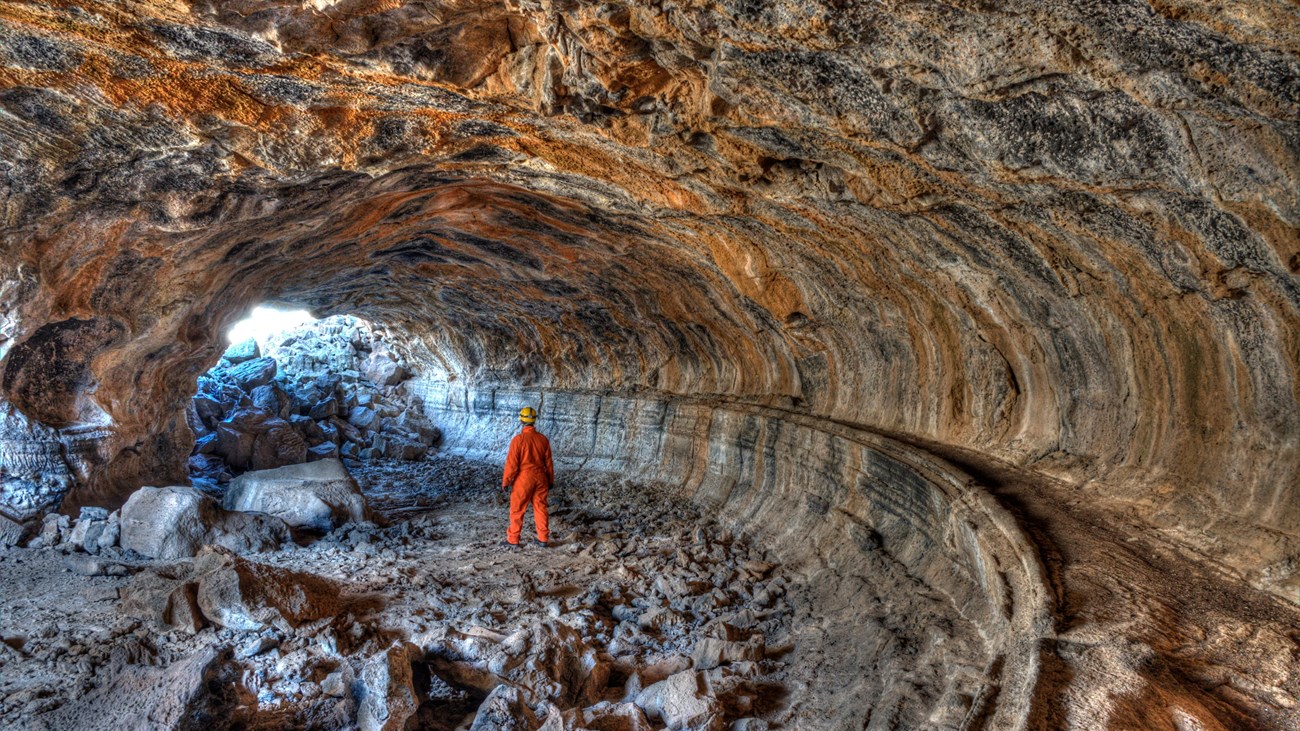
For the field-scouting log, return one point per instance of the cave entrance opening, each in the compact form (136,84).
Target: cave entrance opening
(291,388)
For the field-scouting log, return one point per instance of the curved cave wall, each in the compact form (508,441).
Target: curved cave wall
(855,511)
(1061,235)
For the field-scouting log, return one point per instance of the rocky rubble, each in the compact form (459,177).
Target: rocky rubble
(330,389)
(260,512)
(423,623)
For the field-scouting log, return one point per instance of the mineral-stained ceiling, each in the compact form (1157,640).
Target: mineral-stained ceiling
(1062,235)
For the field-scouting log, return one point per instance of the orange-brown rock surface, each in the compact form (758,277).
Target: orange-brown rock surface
(1061,238)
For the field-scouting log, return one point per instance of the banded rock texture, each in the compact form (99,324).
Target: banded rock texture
(1062,235)
(908,557)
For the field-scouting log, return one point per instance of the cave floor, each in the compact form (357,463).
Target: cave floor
(1146,636)
(641,579)
(1149,635)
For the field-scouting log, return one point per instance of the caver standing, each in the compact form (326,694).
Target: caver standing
(530,471)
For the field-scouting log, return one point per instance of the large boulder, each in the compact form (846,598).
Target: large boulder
(324,409)
(242,351)
(168,599)
(318,495)
(382,369)
(363,417)
(710,652)
(139,696)
(279,446)
(232,445)
(272,399)
(174,522)
(324,450)
(253,373)
(311,432)
(551,661)
(250,597)
(225,590)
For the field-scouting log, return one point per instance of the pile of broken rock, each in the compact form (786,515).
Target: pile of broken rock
(332,389)
(259,513)
(645,619)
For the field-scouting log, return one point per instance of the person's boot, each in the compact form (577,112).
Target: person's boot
(509,546)
(540,542)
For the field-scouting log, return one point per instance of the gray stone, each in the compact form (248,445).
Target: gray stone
(255,646)
(311,431)
(362,417)
(346,431)
(681,702)
(381,369)
(11,531)
(325,409)
(242,351)
(612,717)
(271,398)
(139,696)
(318,495)
(711,652)
(94,566)
(234,446)
(281,445)
(174,522)
(91,512)
(251,597)
(324,450)
(85,534)
(560,667)
(53,527)
(404,449)
(167,599)
(112,532)
(386,696)
(251,374)
(504,710)
(208,409)
(335,684)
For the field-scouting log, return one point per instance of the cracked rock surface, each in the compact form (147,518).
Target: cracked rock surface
(992,305)
(1062,234)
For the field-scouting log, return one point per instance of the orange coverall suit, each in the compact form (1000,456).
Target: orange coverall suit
(529,469)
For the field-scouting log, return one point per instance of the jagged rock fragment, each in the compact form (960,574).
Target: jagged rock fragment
(386,696)
(681,702)
(504,710)
(248,596)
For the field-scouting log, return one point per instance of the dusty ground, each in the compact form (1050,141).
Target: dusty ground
(1150,636)
(1147,637)
(641,580)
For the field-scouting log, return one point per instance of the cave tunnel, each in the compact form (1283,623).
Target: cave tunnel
(905,365)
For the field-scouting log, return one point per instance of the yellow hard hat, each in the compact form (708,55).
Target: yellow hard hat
(528,415)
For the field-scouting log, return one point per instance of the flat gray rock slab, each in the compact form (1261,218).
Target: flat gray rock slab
(318,495)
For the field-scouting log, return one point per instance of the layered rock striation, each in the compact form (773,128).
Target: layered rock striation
(904,547)
(1061,237)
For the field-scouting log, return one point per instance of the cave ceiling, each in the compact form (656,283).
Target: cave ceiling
(1061,234)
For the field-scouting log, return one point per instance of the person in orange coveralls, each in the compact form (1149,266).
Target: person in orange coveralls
(530,471)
